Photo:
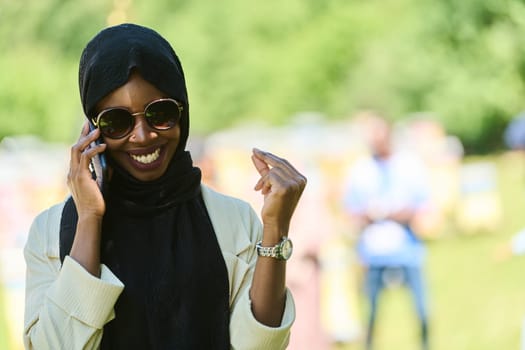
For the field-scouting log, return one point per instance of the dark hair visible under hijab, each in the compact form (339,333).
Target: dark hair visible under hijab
(157,237)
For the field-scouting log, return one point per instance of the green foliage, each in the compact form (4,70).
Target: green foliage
(463,61)
(36,96)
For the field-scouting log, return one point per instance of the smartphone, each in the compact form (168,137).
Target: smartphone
(98,165)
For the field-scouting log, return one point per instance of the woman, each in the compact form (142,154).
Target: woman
(156,260)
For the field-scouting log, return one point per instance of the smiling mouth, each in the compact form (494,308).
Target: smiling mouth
(146,158)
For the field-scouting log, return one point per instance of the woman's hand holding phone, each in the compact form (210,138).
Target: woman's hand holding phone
(84,189)
(88,200)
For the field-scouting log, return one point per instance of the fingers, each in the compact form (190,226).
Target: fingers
(272,178)
(276,171)
(274,161)
(260,165)
(81,152)
(77,148)
(264,160)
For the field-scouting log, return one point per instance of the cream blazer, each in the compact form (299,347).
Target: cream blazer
(67,308)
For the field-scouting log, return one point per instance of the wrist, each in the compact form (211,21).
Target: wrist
(86,245)
(273,233)
(89,222)
(90,216)
(280,251)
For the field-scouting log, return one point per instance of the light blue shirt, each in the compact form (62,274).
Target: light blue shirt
(378,187)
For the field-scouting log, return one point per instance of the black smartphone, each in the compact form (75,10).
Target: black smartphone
(98,165)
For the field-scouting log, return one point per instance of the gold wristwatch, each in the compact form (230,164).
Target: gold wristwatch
(281,251)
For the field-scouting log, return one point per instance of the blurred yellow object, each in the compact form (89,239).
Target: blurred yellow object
(480,212)
(479,206)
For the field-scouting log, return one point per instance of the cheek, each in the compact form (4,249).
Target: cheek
(174,136)
(113,146)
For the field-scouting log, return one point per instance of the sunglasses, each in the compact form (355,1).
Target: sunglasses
(117,122)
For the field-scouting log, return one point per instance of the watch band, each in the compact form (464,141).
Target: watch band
(280,251)
(270,252)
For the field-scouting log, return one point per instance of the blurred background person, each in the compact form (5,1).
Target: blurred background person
(385,193)
(514,134)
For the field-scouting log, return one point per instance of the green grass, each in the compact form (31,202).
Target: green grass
(476,302)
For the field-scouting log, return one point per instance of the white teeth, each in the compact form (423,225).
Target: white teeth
(147,158)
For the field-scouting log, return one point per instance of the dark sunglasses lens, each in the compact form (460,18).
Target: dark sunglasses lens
(163,115)
(115,123)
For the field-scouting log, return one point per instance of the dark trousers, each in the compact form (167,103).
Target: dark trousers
(379,277)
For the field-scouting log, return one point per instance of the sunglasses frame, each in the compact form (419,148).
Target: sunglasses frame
(96,120)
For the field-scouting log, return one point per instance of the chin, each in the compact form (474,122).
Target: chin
(148,176)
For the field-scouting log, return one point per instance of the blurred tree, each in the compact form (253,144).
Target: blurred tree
(461,60)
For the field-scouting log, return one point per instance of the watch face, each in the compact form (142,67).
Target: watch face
(286,249)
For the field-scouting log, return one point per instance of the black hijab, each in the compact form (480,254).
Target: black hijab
(157,237)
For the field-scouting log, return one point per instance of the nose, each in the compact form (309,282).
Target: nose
(142,132)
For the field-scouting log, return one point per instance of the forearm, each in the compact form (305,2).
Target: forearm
(403,216)
(282,186)
(86,246)
(361,221)
(268,291)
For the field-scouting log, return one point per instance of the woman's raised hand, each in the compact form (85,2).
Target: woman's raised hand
(282,186)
